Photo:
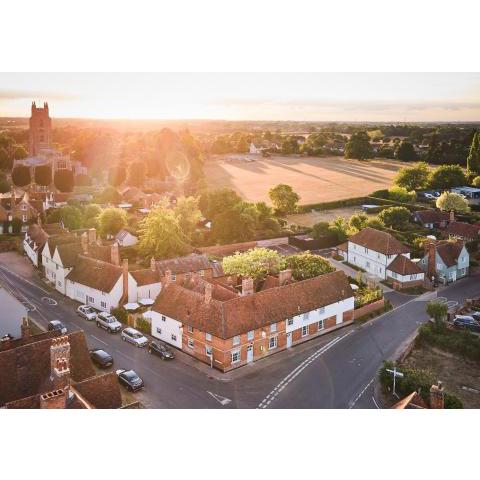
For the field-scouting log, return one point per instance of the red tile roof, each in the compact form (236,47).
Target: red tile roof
(379,241)
(404,266)
(449,252)
(94,273)
(432,216)
(464,230)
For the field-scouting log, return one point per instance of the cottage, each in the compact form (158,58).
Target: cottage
(13,206)
(35,238)
(182,267)
(463,231)
(148,281)
(404,273)
(433,218)
(224,328)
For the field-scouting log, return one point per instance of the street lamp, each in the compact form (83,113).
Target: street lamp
(395,375)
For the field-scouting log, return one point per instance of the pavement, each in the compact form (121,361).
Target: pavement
(336,370)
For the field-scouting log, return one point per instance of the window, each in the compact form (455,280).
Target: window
(368,264)
(189,329)
(366,250)
(321,324)
(272,343)
(273,327)
(174,277)
(23,207)
(290,321)
(24,218)
(394,275)
(59,283)
(305,316)
(305,331)
(103,304)
(163,318)
(412,277)
(159,330)
(321,310)
(190,343)
(202,273)
(236,339)
(235,356)
(208,337)
(250,334)
(90,299)
(208,351)
(174,337)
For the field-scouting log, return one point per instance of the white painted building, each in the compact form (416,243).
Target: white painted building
(165,328)
(125,239)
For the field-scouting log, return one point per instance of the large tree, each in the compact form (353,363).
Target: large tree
(305,265)
(284,198)
(188,213)
(43,175)
(218,201)
(449,202)
(63,180)
(406,152)
(394,217)
(136,174)
(19,152)
(21,176)
(4,183)
(5,161)
(401,194)
(473,159)
(109,195)
(161,235)
(447,176)
(359,147)
(235,225)
(117,175)
(414,177)
(71,217)
(111,221)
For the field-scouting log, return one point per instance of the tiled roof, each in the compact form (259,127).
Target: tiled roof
(187,264)
(449,252)
(239,314)
(60,239)
(378,241)
(102,391)
(463,230)
(404,266)
(68,253)
(37,234)
(145,276)
(343,247)
(94,273)
(432,216)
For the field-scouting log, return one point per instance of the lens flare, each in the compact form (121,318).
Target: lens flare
(178,165)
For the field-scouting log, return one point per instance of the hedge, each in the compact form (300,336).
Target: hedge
(348,202)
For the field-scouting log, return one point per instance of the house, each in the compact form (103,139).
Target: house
(35,238)
(182,267)
(446,260)
(463,231)
(148,281)
(18,207)
(12,316)
(226,328)
(125,239)
(373,250)
(49,371)
(50,258)
(433,218)
(404,273)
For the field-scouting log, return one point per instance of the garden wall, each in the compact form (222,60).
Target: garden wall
(370,308)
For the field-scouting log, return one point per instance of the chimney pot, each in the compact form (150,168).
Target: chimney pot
(452,216)
(208,292)
(285,276)
(247,286)
(84,242)
(153,265)
(115,254)
(167,279)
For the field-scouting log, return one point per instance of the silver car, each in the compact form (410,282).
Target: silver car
(108,322)
(134,336)
(87,312)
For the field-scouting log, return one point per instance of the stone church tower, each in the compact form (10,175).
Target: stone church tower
(40,132)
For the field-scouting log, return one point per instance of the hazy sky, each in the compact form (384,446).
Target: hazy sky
(247,96)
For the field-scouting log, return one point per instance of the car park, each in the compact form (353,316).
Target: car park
(57,325)
(101,358)
(130,380)
(87,312)
(108,322)
(466,322)
(134,337)
(157,348)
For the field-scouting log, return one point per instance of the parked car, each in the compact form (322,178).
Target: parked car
(430,196)
(130,380)
(101,358)
(476,316)
(108,322)
(134,336)
(57,325)
(466,322)
(87,312)
(161,350)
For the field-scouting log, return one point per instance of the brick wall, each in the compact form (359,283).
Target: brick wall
(370,308)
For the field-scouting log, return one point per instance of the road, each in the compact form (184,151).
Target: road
(332,371)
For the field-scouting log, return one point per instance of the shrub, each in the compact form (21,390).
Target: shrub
(120,314)
(143,325)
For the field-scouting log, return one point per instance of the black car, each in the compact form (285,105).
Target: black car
(466,322)
(101,358)
(57,325)
(130,380)
(161,350)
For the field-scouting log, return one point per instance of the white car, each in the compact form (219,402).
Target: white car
(87,312)
(135,337)
(108,322)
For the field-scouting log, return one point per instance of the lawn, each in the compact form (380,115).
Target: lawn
(316,179)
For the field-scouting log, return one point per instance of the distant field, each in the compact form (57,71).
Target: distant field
(315,179)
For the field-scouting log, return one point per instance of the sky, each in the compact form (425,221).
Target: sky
(389,97)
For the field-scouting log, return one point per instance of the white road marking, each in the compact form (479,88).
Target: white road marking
(97,339)
(296,371)
(352,403)
(126,356)
(222,400)
(49,301)
(375,402)
(24,280)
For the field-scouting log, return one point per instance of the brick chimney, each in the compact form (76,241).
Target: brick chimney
(153,265)
(59,362)
(452,216)
(125,278)
(208,292)
(25,328)
(432,267)
(167,278)
(92,235)
(285,276)
(247,286)
(115,254)
(39,220)
(55,399)
(84,242)
(437,396)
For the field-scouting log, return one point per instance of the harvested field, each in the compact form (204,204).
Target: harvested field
(316,179)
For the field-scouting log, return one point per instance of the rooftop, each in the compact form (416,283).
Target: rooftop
(379,241)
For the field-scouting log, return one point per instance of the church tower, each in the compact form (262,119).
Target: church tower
(40,132)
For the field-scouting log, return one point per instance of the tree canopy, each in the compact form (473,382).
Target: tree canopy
(70,216)
(406,152)
(43,175)
(284,198)
(359,147)
(21,176)
(401,194)
(111,221)
(63,180)
(447,176)
(306,265)
(394,216)
(117,175)
(136,174)
(413,178)
(188,213)
(473,159)
(455,202)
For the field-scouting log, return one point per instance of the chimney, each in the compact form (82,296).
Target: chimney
(115,254)
(25,328)
(437,396)
(247,286)
(59,362)
(39,220)
(285,276)
(153,265)
(125,278)
(432,268)
(92,236)
(452,216)
(84,242)
(167,279)
(55,399)
(208,292)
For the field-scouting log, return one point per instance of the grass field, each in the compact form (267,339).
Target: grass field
(315,179)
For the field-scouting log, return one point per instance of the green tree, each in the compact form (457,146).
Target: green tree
(406,152)
(394,216)
(448,202)
(375,222)
(438,312)
(109,195)
(476,182)
(401,194)
(188,214)
(256,263)
(117,175)
(217,201)
(320,229)
(305,265)
(21,176)
(111,221)
(447,176)
(357,222)
(339,227)
(161,235)
(19,152)
(473,159)
(290,146)
(71,217)
(90,215)
(359,147)
(63,180)
(5,162)
(413,178)
(16,226)
(136,174)
(284,198)
(43,175)
(235,225)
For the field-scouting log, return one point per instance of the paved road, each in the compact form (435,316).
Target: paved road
(333,371)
